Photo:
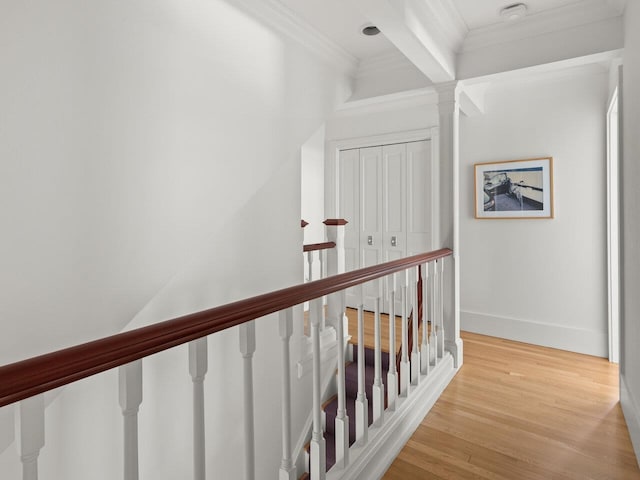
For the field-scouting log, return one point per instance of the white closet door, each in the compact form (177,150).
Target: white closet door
(394,209)
(349,191)
(419,198)
(385,193)
(370,216)
(394,203)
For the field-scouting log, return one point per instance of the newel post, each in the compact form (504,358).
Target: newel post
(448,231)
(336,264)
(335,256)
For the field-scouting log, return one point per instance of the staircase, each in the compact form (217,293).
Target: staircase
(351,384)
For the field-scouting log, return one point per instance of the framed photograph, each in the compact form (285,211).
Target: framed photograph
(515,189)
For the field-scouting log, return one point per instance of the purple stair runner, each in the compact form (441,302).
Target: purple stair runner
(351,384)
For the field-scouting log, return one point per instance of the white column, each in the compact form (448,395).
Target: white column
(29,431)
(198,364)
(404,360)
(415,353)
(392,376)
(448,232)
(287,469)
(318,449)
(426,306)
(130,380)
(378,386)
(335,313)
(247,333)
(362,404)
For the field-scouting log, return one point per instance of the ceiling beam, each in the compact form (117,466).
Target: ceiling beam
(408,25)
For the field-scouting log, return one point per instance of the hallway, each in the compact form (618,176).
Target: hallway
(518,411)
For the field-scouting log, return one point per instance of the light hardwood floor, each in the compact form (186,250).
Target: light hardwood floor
(516,411)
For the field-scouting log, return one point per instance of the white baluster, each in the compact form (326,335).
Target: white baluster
(426,305)
(378,386)
(415,353)
(436,300)
(362,404)
(29,431)
(404,360)
(198,365)
(441,332)
(392,376)
(287,469)
(130,379)
(336,305)
(247,349)
(310,264)
(318,446)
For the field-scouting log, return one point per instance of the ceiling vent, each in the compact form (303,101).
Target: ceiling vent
(513,12)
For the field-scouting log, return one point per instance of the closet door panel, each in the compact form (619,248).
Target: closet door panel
(419,197)
(370,215)
(394,158)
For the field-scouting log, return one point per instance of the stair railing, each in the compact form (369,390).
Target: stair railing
(25,382)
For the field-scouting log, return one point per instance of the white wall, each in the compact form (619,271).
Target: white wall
(150,156)
(539,281)
(630,261)
(312,156)
(313,187)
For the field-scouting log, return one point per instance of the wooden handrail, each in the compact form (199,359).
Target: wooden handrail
(36,375)
(318,246)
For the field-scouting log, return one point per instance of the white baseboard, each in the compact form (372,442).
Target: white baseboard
(385,442)
(631,415)
(579,340)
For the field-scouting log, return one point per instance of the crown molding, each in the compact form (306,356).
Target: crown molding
(548,21)
(383,63)
(384,103)
(284,20)
(594,64)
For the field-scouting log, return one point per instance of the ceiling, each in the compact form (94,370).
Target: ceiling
(341,21)
(477,14)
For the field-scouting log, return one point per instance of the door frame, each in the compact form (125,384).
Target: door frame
(613,225)
(331,171)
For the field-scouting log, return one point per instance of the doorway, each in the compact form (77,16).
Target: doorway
(613,227)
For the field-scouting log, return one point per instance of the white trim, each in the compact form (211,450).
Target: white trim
(333,154)
(631,415)
(393,101)
(594,64)
(579,340)
(613,230)
(386,442)
(283,19)
(383,63)
(548,21)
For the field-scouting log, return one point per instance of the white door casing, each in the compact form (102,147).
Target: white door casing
(394,185)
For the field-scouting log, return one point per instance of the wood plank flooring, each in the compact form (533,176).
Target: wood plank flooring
(517,411)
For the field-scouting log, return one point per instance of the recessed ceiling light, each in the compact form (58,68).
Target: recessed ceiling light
(513,12)
(370,30)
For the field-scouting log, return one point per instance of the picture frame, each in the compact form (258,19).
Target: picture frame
(514,189)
